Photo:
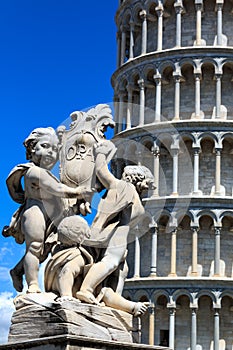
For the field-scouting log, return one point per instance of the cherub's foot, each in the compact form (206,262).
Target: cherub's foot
(17,280)
(33,288)
(139,309)
(67,298)
(6,231)
(87,297)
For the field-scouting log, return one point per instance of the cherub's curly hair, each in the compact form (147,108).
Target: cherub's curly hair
(34,137)
(136,174)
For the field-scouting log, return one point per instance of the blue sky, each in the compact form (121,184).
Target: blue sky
(57,56)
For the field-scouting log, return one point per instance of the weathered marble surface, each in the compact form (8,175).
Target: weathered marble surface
(40,316)
(71,342)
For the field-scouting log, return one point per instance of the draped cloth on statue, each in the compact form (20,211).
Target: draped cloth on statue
(59,260)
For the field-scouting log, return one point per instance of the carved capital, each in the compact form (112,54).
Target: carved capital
(179,8)
(159,10)
(143,14)
(141,84)
(155,151)
(157,78)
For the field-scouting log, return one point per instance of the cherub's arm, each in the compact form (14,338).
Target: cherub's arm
(107,179)
(51,184)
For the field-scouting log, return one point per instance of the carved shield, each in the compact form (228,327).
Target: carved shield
(77,145)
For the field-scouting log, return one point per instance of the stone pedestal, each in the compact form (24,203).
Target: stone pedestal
(40,316)
(42,323)
(71,342)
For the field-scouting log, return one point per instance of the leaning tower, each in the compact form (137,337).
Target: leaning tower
(173,90)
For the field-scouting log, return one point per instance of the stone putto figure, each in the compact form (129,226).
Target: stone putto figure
(88,262)
(41,204)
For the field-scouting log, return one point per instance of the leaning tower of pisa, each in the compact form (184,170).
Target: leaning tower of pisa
(173,90)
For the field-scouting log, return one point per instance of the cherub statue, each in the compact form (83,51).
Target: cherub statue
(41,204)
(64,271)
(119,210)
(70,261)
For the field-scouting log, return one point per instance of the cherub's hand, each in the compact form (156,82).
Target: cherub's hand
(105,148)
(83,192)
(85,208)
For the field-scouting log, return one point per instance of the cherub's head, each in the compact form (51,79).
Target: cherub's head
(42,147)
(72,230)
(139,175)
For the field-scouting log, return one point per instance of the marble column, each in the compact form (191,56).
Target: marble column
(179,10)
(151,310)
(177,77)
(173,253)
(218,171)
(143,16)
(137,256)
(194,328)
(121,110)
(116,111)
(156,153)
(216,329)
(175,155)
(158,83)
(218,78)
(194,271)
(172,312)
(129,107)
(123,44)
(219,6)
(142,101)
(159,10)
(154,240)
(139,153)
(118,49)
(131,40)
(217,232)
(197,95)
(198,6)
(196,191)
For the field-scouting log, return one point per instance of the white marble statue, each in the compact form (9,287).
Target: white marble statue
(88,263)
(41,204)
(118,211)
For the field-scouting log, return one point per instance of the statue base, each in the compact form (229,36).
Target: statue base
(40,316)
(71,342)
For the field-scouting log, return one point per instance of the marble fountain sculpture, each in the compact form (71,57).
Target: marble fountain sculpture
(86,268)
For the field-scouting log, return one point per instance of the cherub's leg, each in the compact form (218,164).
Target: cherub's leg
(67,275)
(116,301)
(102,269)
(33,226)
(17,275)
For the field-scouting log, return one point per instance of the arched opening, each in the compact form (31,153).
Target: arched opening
(225,314)
(227,165)
(187,92)
(161,321)
(206,245)
(207,163)
(167,95)
(166,168)
(185,179)
(205,332)
(152,28)
(227,245)
(184,247)
(227,92)
(208,90)
(164,247)
(183,321)
(150,97)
